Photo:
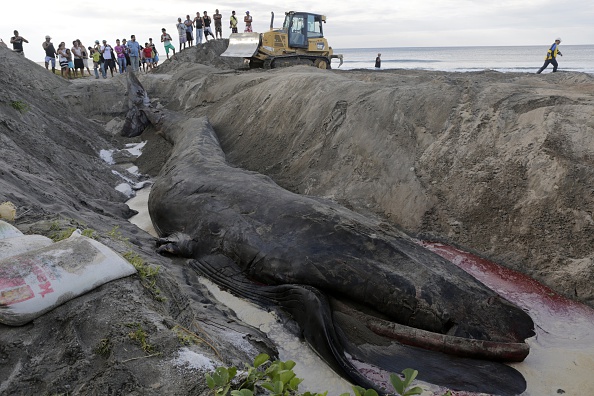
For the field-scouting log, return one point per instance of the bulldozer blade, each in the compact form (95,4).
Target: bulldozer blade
(242,45)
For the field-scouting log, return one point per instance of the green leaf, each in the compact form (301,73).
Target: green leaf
(289,365)
(232,372)
(243,392)
(210,381)
(261,359)
(358,390)
(397,383)
(409,376)
(414,391)
(286,376)
(371,392)
(294,383)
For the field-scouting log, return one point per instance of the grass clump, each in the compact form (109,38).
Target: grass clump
(140,336)
(104,347)
(147,273)
(19,106)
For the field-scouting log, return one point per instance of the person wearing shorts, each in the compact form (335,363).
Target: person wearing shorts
(189,30)
(181,31)
(147,51)
(50,53)
(166,40)
(207,21)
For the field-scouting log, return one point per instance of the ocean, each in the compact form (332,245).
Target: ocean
(517,59)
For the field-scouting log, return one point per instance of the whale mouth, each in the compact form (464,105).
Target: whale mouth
(343,332)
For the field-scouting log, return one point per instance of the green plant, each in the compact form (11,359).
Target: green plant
(104,347)
(89,233)
(148,274)
(402,386)
(140,336)
(19,106)
(57,234)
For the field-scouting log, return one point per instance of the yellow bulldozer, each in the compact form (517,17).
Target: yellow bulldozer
(300,42)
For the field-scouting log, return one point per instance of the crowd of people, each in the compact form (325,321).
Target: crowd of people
(193,29)
(126,54)
(129,54)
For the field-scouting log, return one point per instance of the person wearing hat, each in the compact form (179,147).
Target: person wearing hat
(50,53)
(551,57)
(248,22)
(17,43)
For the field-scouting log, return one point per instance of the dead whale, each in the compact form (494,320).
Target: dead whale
(239,226)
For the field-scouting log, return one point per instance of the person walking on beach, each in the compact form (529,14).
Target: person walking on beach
(50,53)
(134,52)
(17,43)
(207,30)
(181,31)
(218,21)
(166,40)
(248,22)
(189,30)
(199,23)
(551,57)
(378,61)
(233,22)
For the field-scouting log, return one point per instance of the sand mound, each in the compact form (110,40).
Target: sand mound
(499,164)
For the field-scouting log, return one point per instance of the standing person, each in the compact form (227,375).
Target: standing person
(148,56)
(108,60)
(70,63)
(199,23)
(551,57)
(63,58)
(17,43)
(120,51)
(233,22)
(126,53)
(248,22)
(78,62)
(97,49)
(378,61)
(166,40)
(155,52)
(189,30)
(85,56)
(181,31)
(218,24)
(95,55)
(50,53)
(134,52)
(206,19)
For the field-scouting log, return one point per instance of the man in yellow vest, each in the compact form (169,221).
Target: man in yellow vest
(551,57)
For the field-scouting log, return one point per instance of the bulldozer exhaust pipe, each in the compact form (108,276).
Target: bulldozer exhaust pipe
(272,20)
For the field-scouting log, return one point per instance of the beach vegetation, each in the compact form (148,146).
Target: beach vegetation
(20,106)
(277,378)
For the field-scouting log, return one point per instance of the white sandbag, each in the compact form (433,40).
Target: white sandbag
(35,282)
(21,244)
(7,211)
(8,231)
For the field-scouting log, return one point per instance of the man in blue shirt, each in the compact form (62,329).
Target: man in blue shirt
(134,50)
(551,57)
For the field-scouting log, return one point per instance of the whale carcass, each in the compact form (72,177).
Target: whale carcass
(323,263)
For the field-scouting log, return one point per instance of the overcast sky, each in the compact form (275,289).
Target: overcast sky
(350,23)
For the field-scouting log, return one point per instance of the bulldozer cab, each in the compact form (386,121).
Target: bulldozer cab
(301,27)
